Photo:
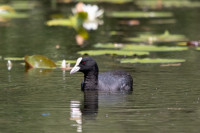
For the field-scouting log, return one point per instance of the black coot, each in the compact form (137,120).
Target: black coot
(107,81)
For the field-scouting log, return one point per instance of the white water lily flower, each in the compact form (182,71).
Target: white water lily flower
(93,12)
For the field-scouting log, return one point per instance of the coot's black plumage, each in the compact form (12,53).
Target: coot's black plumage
(107,81)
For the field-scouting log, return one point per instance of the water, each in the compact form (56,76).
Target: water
(165,99)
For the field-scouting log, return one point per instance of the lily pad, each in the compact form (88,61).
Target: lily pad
(107,1)
(112,52)
(198,48)
(14,15)
(141,48)
(75,21)
(154,4)
(39,61)
(151,48)
(108,45)
(14,58)
(23,5)
(151,61)
(150,38)
(138,14)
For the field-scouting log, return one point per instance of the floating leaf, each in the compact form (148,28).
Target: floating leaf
(108,45)
(152,61)
(112,52)
(14,58)
(75,21)
(23,5)
(182,43)
(39,61)
(167,3)
(138,14)
(61,22)
(14,15)
(198,48)
(150,38)
(142,48)
(108,1)
(151,48)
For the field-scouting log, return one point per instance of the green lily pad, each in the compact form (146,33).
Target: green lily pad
(14,15)
(112,52)
(39,61)
(108,45)
(166,3)
(61,22)
(23,5)
(151,61)
(150,38)
(198,48)
(138,14)
(151,48)
(14,58)
(107,1)
(141,48)
(75,21)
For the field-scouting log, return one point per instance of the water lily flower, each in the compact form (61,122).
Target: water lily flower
(93,13)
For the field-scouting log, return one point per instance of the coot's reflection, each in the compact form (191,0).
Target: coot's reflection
(90,104)
(88,108)
(92,99)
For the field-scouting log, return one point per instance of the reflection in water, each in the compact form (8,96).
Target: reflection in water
(9,65)
(89,109)
(76,115)
(90,104)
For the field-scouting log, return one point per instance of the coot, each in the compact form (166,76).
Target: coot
(108,81)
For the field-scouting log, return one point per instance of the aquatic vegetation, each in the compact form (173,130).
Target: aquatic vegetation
(152,48)
(107,1)
(23,5)
(112,52)
(136,47)
(93,13)
(139,14)
(8,12)
(14,58)
(39,61)
(85,16)
(198,48)
(154,4)
(151,38)
(151,61)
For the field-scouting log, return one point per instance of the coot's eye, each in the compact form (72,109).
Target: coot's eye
(83,62)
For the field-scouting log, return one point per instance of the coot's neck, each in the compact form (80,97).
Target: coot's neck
(91,79)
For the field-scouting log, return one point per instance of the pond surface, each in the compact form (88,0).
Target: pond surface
(165,99)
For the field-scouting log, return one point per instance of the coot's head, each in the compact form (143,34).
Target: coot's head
(85,65)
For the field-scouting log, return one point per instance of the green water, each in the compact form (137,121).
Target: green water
(165,99)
